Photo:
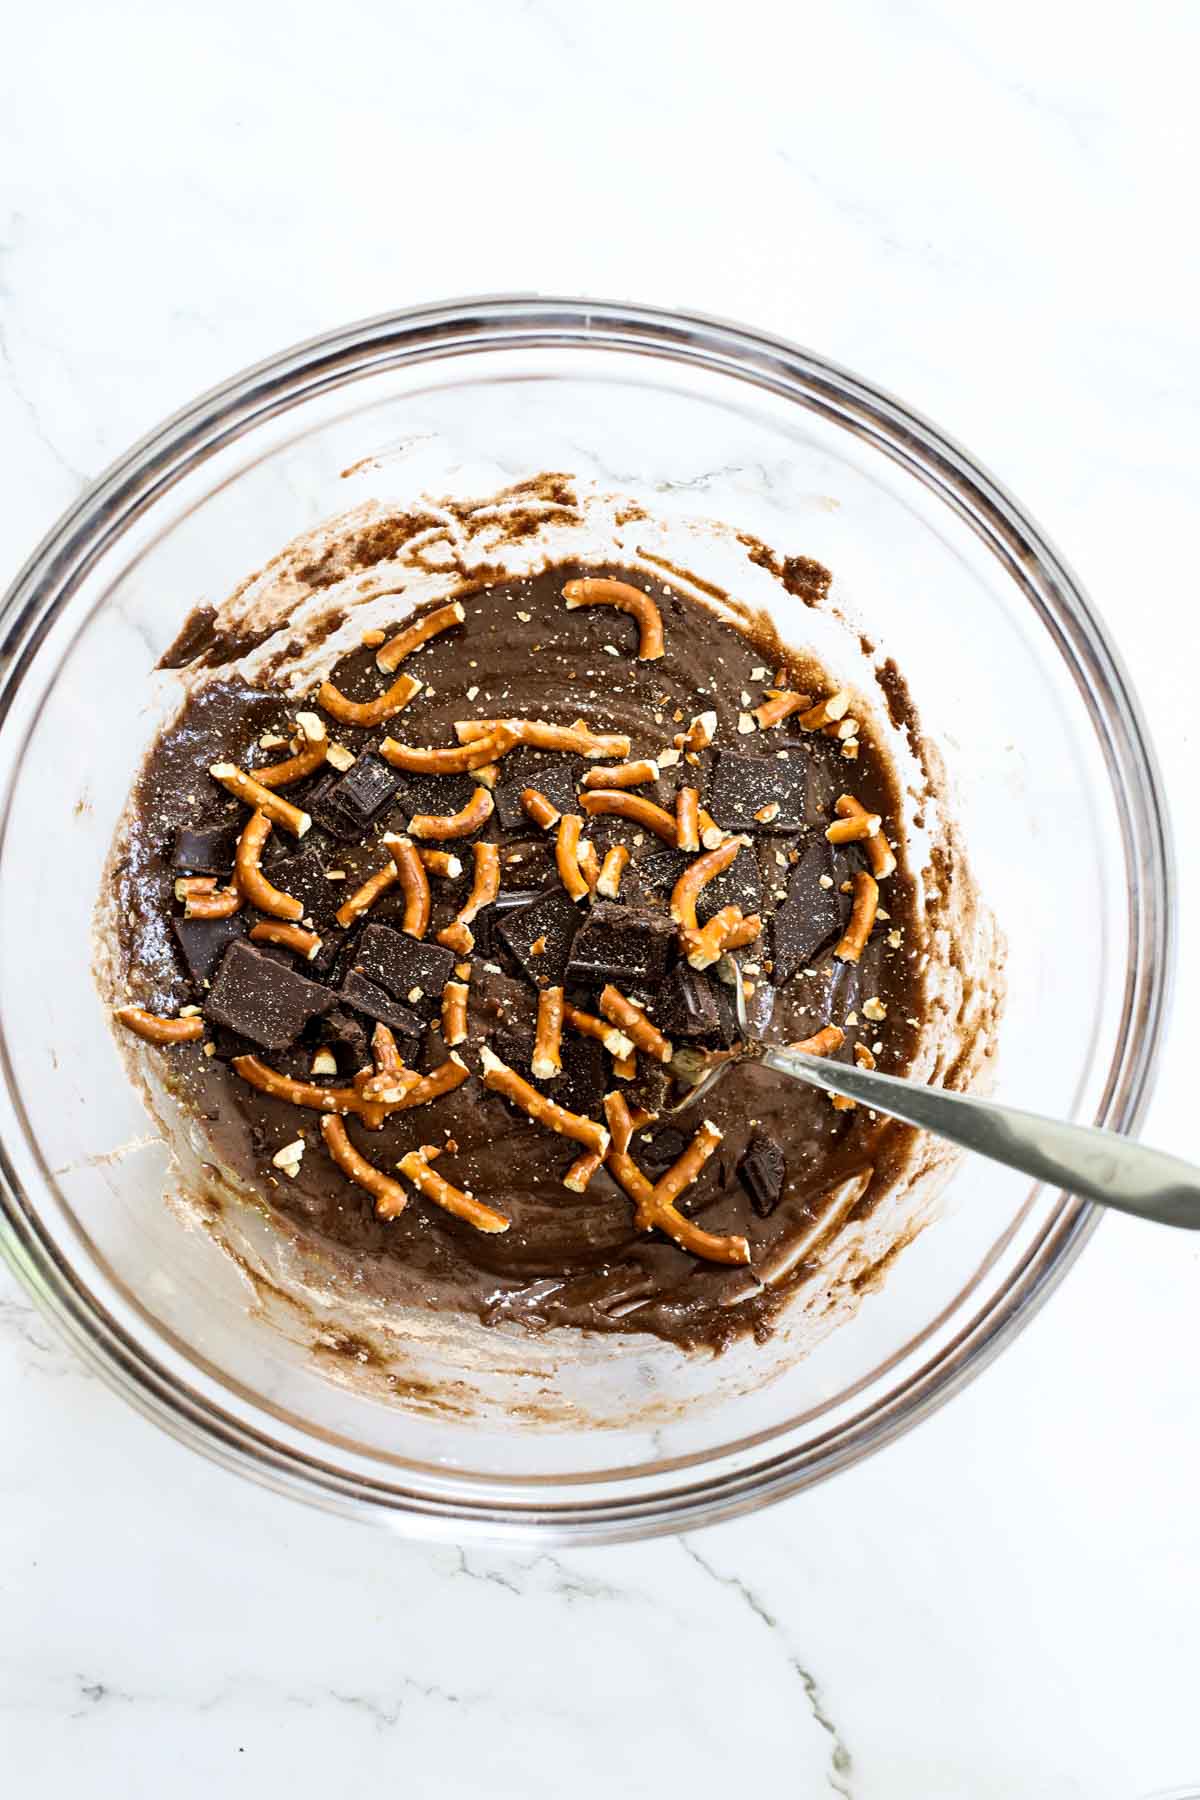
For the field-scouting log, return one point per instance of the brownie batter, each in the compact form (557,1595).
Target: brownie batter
(567,1258)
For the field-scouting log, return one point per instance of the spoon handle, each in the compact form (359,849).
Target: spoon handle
(1099,1165)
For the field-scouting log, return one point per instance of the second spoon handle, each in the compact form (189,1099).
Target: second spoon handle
(1099,1165)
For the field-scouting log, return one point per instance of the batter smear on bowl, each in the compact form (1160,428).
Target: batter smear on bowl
(418,949)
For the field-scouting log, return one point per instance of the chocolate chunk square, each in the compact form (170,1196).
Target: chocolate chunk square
(738,885)
(763,1173)
(686,1006)
(207,851)
(367,997)
(348,805)
(625,944)
(484,926)
(204,942)
(667,1144)
(402,964)
(263,999)
(557,779)
(810,915)
(743,785)
(554,917)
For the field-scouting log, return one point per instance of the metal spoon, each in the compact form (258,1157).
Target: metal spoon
(1099,1165)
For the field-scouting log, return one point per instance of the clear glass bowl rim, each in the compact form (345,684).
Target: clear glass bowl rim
(504,322)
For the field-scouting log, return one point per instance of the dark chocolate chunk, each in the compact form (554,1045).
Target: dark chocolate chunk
(347,1037)
(665,1148)
(347,805)
(205,941)
(738,885)
(557,779)
(622,944)
(208,851)
(485,923)
(809,916)
(528,864)
(303,877)
(585,1077)
(652,1089)
(262,999)
(743,785)
(366,996)
(401,964)
(763,1172)
(555,917)
(686,1006)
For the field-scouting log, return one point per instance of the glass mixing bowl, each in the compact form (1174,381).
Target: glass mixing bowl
(1057,792)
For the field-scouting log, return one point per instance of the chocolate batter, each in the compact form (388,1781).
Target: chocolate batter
(567,1259)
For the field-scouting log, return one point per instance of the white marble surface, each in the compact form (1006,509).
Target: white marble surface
(988,210)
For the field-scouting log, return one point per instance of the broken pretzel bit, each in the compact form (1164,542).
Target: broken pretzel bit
(454,1013)
(535,806)
(624,1120)
(391,1081)
(157,1030)
(864,1056)
(291,937)
(853,942)
(389,1197)
(634,1023)
(656,1204)
(443,1080)
(252,884)
(687,819)
(305,762)
(622,775)
(458,935)
(367,713)
(625,1067)
(502,1080)
(598,591)
(602,801)
(427,1181)
(699,734)
(840,728)
(364,898)
(696,876)
(267,1080)
(879,852)
(566,856)
(202,899)
(826,711)
(455,759)
(440,862)
(826,1042)
(853,828)
(780,705)
(578,738)
(589,863)
(608,882)
(280,812)
(588,1025)
(712,836)
(414,884)
(443,618)
(474,815)
(842,1103)
(726,930)
(582,1170)
(546,1061)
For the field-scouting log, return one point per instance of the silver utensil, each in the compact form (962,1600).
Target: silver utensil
(1099,1165)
